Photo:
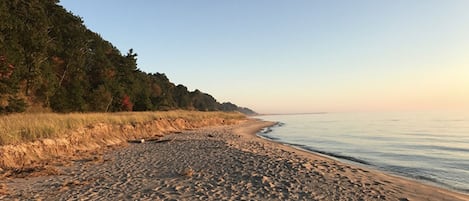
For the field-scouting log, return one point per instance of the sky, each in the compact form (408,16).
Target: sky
(290,56)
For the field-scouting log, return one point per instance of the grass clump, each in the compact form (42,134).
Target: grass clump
(20,128)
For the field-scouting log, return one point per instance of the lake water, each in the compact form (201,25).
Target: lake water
(433,147)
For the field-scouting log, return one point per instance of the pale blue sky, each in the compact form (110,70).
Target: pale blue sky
(298,55)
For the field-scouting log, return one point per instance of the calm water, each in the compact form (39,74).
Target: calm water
(433,147)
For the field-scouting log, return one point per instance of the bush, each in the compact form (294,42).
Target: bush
(14,105)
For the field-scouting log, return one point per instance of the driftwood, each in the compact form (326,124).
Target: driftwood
(155,137)
(154,140)
(166,140)
(136,141)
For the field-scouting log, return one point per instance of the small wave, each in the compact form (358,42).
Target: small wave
(448,148)
(420,177)
(266,130)
(270,137)
(440,183)
(278,124)
(419,174)
(335,155)
(270,128)
(409,171)
(436,147)
(350,158)
(265,134)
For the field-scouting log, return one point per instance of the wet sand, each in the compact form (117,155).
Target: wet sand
(217,163)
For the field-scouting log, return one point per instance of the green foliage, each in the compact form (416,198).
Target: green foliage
(204,102)
(48,57)
(15,104)
(228,107)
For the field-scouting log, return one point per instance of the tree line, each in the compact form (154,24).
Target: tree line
(50,59)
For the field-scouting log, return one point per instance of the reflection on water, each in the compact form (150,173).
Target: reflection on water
(428,146)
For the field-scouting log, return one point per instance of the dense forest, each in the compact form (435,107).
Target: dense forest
(49,60)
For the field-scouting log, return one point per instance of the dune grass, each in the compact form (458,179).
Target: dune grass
(20,128)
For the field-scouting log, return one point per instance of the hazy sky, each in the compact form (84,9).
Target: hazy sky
(298,55)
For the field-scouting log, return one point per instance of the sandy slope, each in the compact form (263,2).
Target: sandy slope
(218,163)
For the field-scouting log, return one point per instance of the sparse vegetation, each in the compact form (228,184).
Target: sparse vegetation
(20,128)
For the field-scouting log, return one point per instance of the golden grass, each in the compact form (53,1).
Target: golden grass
(20,128)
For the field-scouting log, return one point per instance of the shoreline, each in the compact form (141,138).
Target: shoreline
(352,160)
(218,163)
(418,185)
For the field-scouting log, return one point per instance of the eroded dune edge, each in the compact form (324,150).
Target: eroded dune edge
(91,140)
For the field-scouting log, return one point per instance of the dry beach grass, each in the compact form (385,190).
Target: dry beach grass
(21,128)
(219,163)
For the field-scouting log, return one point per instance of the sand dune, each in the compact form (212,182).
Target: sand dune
(218,163)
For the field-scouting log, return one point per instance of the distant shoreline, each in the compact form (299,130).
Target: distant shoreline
(301,113)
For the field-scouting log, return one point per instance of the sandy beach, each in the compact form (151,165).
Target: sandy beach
(217,163)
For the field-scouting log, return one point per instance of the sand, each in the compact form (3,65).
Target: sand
(217,163)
